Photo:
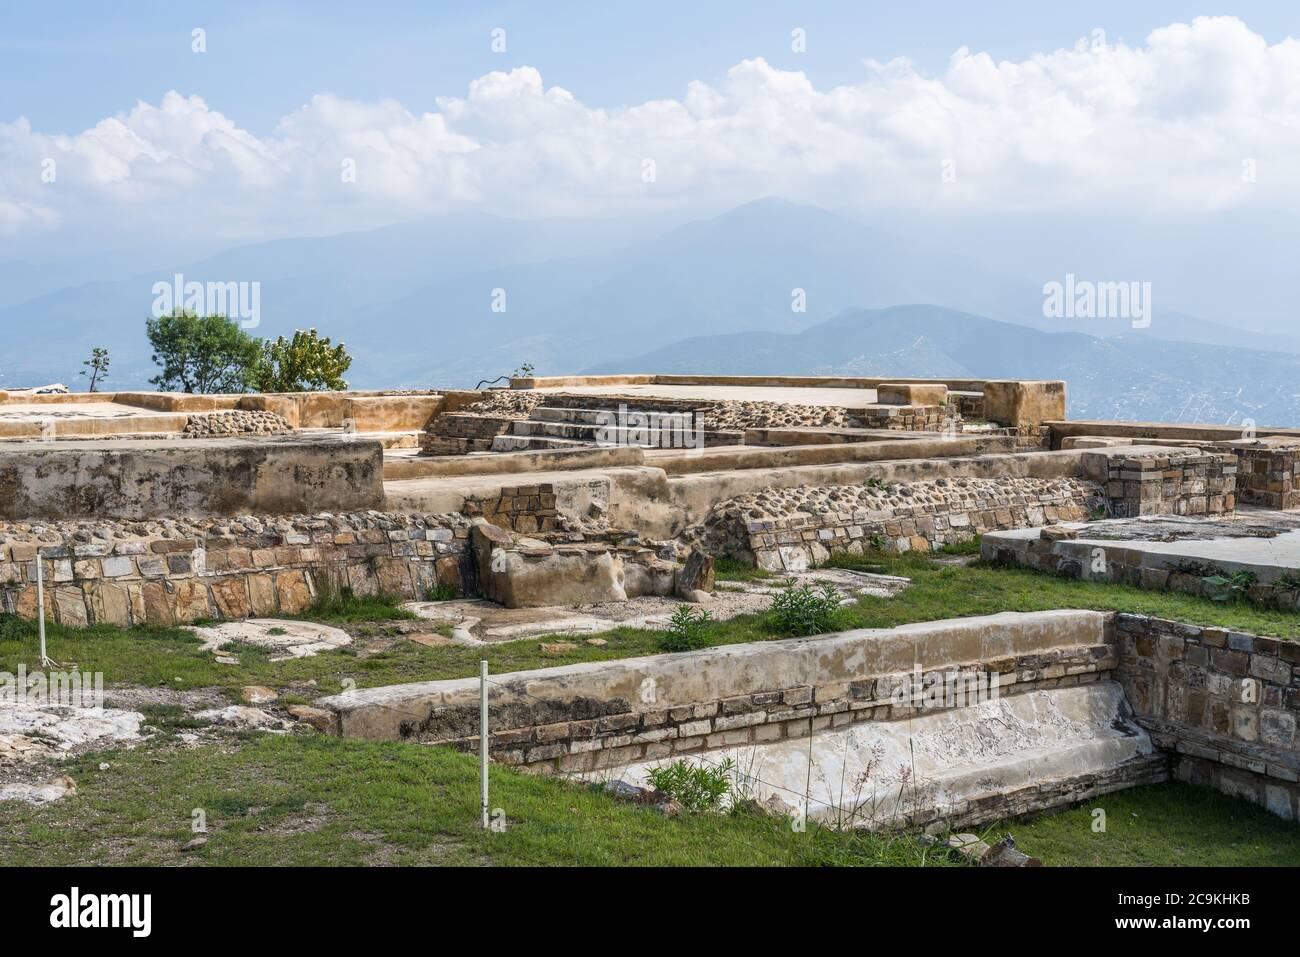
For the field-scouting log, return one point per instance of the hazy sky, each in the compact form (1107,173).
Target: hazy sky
(306,118)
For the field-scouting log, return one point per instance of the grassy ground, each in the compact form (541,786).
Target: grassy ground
(309,800)
(305,799)
(171,657)
(1171,824)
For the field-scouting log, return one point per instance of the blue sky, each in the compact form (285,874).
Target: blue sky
(67,65)
(308,119)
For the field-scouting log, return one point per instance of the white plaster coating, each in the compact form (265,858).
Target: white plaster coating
(938,761)
(286,639)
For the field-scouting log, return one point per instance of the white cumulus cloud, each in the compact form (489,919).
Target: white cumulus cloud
(1203,115)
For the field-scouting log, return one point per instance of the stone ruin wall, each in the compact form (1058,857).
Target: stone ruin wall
(1224,703)
(162,573)
(527,509)
(794,529)
(1180,483)
(1269,476)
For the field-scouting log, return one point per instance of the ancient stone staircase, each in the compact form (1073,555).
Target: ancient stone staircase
(648,425)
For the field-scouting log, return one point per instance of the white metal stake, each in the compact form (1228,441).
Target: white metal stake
(40,607)
(483,740)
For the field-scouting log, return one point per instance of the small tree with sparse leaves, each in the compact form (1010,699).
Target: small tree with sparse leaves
(96,367)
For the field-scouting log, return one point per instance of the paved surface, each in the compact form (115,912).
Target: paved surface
(848,398)
(1264,541)
(35,411)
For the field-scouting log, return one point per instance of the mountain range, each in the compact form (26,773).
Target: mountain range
(778,287)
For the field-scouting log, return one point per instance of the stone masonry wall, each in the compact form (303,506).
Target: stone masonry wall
(163,573)
(1269,476)
(1191,483)
(1225,703)
(586,735)
(528,509)
(583,734)
(907,418)
(791,529)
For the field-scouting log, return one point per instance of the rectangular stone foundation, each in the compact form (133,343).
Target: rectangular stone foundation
(225,570)
(1269,476)
(1225,703)
(1176,483)
(141,479)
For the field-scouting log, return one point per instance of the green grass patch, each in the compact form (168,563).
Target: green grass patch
(310,800)
(345,606)
(730,569)
(1163,825)
(307,800)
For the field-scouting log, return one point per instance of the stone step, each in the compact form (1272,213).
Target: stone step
(534,443)
(578,416)
(613,434)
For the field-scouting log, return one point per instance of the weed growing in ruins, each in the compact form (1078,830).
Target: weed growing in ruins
(13,628)
(343,604)
(969,546)
(802,610)
(1289,581)
(1234,587)
(727,568)
(696,787)
(688,630)
(441,592)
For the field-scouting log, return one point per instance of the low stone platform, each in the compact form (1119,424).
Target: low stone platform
(1169,552)
(142,479)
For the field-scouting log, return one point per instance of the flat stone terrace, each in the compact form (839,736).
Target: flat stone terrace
(789,395)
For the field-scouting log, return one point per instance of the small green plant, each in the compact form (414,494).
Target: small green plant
(970,546)
(802,610)
(96,368)
(441,592)
(696,787)
(877,542)
(336,602)
(875,482)
(1226,588)
(726,568)
(525,371)
(687,630)
(13,628)
(1289,581)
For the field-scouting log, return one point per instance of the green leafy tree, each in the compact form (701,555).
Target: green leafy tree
(306,363)
(201,353)
(96,367)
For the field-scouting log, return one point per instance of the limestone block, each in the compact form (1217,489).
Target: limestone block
(911,393)
(362,580)
(394,577)
(560,578)
(697,574)
(231,597)
(70,607)
(1015,402)
(159,606)
(293,590)
(109,603)
(653,578)
(261,594)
